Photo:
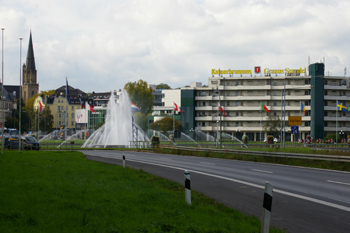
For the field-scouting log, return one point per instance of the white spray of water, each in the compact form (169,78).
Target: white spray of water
(117,129)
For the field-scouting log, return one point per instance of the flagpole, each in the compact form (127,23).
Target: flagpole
(336,121)
(2,93)
(65,120)
(260,122)
(38,123)
(301,121)
(20,95)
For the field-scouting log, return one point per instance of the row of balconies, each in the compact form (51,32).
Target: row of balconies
(254,97)
(242,118)
(243,129)
(266,87)
(250,108)
(334,97)
(330,87)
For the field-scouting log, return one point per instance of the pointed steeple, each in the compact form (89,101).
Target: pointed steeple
(30,63)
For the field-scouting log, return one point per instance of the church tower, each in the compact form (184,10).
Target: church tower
(30,86)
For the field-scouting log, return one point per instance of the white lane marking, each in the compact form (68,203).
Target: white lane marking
(206,163)
(257,186)
(261,171)
(337,182)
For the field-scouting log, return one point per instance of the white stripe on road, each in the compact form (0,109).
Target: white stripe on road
(262,171)
(207,163)
(336,182)
(255,185)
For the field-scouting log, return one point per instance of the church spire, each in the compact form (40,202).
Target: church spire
(30,63)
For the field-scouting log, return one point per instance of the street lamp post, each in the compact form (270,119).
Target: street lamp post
(341,134)
(20,94)
(218,92)
(2,95)
(217,133)
(192,130)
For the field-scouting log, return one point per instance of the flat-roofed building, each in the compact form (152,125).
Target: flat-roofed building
(241,97)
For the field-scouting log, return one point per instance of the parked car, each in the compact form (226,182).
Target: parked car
(27,143)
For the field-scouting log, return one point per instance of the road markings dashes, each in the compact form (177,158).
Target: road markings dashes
(262,171)
(336,182)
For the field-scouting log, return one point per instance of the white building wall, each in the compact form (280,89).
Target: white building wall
(171,96)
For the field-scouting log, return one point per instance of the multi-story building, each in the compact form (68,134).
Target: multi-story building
(281,91)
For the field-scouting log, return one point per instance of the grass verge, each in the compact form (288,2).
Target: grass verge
(341,166)
(53,191)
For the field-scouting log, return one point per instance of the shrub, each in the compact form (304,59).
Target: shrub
(245,139)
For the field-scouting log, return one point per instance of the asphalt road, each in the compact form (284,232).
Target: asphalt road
(304,199)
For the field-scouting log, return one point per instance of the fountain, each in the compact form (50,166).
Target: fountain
(229,136)
(162,137)
(118,128)
(200,136)
(185,137)
(75,136)
(49,135)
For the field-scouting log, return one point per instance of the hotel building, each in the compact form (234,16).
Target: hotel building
(241,93)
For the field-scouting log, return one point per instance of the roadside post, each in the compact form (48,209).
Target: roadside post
(188,187)
(265,221)
(123,160)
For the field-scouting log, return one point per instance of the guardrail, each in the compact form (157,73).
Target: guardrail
(335,158)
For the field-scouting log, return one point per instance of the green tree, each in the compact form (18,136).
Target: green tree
(272,125)
(140,95)
(13,121)
(46,120)
(29,107)
(166,124)
(163,86)
(141,120)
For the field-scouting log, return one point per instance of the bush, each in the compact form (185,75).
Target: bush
(155,141)
(269,139)
(330,136)
(245,139)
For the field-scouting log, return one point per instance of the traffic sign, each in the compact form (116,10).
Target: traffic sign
(318,140)
(295,129)
(330,140)
(294,120)
(301,140)
(343,140)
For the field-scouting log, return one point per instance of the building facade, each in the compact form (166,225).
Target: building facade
(241,97)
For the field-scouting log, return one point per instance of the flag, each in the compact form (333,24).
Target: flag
(177,109)
(222,110)
(302,107)
(40,106)
(134,107)
(264,108)
(89,107)
(341,107)
(67,92)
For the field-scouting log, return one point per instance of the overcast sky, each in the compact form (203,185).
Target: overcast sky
(102,45)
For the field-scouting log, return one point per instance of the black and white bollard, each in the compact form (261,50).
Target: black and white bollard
(188,187)
(123,161)
(265,222)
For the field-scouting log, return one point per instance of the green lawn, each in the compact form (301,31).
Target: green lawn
(56,191)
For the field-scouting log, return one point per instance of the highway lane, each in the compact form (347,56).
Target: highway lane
(306,197)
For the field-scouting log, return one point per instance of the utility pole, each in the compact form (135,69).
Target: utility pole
(20,94)
(2,96)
